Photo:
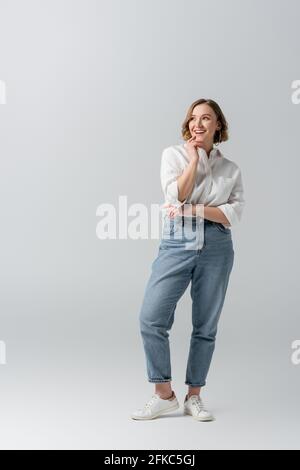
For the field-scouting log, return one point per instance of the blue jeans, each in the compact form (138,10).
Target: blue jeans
(191,249)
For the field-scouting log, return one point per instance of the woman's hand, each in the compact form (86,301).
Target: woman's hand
(191,147)
(172,211)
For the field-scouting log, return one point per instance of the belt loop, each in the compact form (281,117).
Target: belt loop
(182,217)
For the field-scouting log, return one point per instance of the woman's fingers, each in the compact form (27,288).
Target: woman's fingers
(171,210)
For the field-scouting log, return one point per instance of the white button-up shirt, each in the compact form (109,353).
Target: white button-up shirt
(218,181)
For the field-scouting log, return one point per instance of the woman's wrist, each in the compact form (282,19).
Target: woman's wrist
(198,210)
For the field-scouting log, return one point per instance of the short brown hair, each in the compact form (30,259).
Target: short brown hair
(220,117)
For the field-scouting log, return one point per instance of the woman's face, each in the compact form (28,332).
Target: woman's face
(203,124)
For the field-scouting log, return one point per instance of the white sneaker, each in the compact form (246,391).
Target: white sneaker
(194,406)
(156,406)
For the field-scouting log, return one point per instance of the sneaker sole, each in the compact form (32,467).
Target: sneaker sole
(204,420)
(175,407)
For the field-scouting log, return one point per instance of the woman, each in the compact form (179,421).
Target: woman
(196,247)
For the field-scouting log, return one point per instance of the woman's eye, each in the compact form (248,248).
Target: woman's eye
(205,117)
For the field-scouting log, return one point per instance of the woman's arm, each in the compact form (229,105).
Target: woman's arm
(186,181)
(234,207)
(229,213)
(178,183)
(215,214)
(206,212)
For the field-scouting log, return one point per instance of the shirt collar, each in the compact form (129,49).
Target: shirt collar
(215,152)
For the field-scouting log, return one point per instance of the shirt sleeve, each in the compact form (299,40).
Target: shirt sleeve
(169,172)
(234,207)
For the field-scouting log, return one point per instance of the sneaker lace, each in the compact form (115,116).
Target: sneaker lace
(199,404)
(151,401)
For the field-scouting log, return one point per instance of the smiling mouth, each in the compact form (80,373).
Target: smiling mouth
(199,132)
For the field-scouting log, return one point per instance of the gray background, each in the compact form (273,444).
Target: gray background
(95,91)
